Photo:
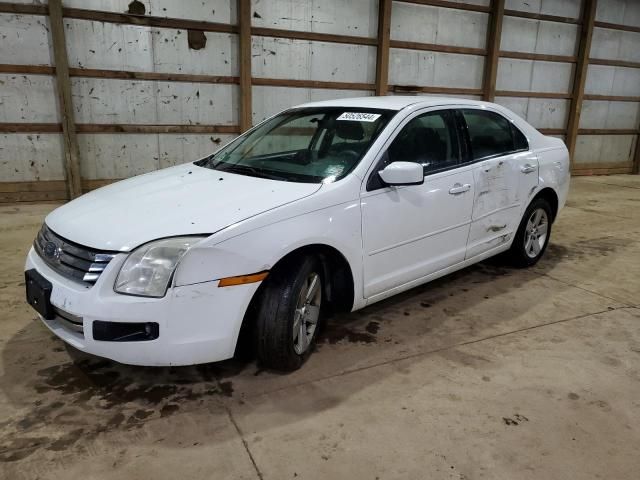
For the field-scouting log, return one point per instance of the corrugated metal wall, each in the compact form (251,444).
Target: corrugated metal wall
(163,90)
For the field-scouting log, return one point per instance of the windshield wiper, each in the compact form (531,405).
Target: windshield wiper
(247,170)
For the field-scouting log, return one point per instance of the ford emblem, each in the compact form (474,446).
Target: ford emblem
(51,250)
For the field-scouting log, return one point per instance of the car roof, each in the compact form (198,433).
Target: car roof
(392,102)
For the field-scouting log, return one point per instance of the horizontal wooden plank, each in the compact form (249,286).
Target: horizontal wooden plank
(27,69)
(600,171)
(446,4)
(130,128)
(30,128)
(617,26)
(313,36)
(280,82)
(165,77)
(600,165)
(612,98)
(543,57)
(19,197)
(541,16)
(552,131)
(608,131)
(525,94)
(38,186)
(147,20)
(8,7)
(436,90)
(433,47)
(613,63)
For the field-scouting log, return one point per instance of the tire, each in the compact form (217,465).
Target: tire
(531,240)
(290,305)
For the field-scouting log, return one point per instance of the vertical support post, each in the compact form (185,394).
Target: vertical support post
(382,57)
(244,24)
(494,36)
(580,75)
(635,168)
(63,85)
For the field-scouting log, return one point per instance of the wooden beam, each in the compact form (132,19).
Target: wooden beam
(312,36)
(612,98)
(244,28)
(580,75)
(283,82)
(157,128)
(607,131)
(63,85)
(436,90)
(448,4)
(494,36)
(435,47)
(22,127)
(614,63)
(382,54)
(542,57)
(8,7)
(148,20)
(617,26)
(636,158)
(524,94)
(541,16)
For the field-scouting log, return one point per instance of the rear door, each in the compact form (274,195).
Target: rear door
(504,175)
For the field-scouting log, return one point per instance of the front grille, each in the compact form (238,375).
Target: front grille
(69,259)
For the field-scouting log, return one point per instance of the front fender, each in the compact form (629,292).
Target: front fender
(259,249)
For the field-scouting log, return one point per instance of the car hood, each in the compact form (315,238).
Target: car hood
(182,200)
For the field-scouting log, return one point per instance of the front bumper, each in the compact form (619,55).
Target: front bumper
(198,323)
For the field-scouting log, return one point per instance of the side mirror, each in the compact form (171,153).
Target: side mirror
(402,173)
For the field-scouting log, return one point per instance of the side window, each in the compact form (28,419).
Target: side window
(489,133)
(430,140)
(519,139)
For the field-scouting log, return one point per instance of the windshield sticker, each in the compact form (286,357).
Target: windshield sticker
(359,117)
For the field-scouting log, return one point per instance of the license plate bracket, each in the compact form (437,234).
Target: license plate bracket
(38,291)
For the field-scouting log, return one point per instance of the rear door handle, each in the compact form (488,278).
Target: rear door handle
(528,168)
(459,188)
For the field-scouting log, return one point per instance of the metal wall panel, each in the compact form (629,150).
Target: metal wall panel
(539,112)
(444,26)
(301,59)
(31,156)
(606,80)
(604,149)
(101,100)
(561,8)
(268,101)
(413,67)
(535,36)
(24,40)
(606,114)
(355,17)
(534,75)
(28,98)
(623,12)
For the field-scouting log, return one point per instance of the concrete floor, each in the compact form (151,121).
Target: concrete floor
(488,373)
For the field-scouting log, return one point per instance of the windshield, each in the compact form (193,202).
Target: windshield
(309,145)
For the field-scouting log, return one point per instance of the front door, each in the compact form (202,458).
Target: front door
(504,174)
(410,232)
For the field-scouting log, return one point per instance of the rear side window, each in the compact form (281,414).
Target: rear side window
(491,134)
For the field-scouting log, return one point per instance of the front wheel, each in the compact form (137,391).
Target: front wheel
(289,314)
(533,234)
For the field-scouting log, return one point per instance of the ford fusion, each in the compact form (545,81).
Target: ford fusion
(325,207)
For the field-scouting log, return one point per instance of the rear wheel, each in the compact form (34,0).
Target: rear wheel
(289,314)
(533,234)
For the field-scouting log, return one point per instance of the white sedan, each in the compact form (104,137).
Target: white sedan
(328,206)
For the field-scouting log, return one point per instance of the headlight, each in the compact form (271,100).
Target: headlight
(148,269)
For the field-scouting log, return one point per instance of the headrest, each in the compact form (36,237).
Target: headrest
(349,130)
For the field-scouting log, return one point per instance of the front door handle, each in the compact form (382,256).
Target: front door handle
(528,168)
(459,188)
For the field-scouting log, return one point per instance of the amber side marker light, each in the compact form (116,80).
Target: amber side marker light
(242,279)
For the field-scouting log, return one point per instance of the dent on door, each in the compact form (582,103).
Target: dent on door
(495,205)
